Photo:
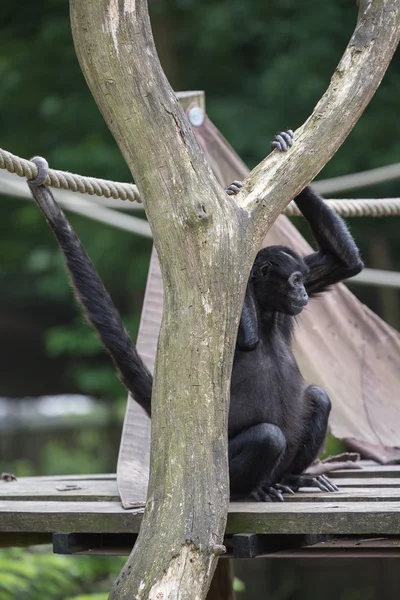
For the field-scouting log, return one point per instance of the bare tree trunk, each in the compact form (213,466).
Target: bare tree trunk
(206,243)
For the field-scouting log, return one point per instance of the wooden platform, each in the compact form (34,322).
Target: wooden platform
(364,516)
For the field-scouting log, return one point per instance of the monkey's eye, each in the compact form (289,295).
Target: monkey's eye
(265,268)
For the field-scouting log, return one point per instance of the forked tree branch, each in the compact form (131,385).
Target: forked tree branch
(206,243)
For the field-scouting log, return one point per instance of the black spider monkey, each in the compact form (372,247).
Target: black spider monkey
(277,424)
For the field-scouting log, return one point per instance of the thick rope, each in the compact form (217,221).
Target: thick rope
(69,181)
(384,207)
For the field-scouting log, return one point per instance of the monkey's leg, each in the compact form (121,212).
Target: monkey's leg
(310,446)
(254,454)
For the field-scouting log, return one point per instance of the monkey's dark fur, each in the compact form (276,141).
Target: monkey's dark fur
(277,424)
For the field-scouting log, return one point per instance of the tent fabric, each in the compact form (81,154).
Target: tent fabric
(340,344)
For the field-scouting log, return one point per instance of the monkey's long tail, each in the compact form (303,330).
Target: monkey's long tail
(96,302)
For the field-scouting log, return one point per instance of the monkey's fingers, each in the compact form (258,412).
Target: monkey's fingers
(273,492)
(320,482)
(332,487)
(321,485)
(283,141)
(284,488)
(259,495)
(234,188)
(267,494)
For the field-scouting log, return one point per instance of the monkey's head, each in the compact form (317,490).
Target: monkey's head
(278,278)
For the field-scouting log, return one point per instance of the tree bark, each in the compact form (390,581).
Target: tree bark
(206,243)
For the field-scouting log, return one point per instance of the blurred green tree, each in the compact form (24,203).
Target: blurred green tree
(35,574)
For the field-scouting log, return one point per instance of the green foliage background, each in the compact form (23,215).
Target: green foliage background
(33,574)
(263,66)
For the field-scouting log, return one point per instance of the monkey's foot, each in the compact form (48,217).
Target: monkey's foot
(283,141)
(234,188)
(295,482)
(271,493)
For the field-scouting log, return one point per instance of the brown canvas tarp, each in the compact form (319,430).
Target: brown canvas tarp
(340,344)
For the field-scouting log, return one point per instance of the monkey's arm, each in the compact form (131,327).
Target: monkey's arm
(337,257)
(96,302)
(247,338)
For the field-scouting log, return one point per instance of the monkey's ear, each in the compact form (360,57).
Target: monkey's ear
(247,338)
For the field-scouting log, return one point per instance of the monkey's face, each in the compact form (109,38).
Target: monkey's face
(278,277)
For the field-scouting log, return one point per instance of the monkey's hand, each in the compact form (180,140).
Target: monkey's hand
(283,141)
(295,482)
(234,188)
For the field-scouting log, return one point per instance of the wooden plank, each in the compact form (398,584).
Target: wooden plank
(93,489)
(84,543)
(340,547)
(251,545)
(382,518)
(367,482)
(244,545)
(107,491)
(93,477)
(71,517)
(341,553)
(369,470)
(96,488)
(347,494)
(37,488)
(342,518)
(308,552)
(347,547)
(392,541)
